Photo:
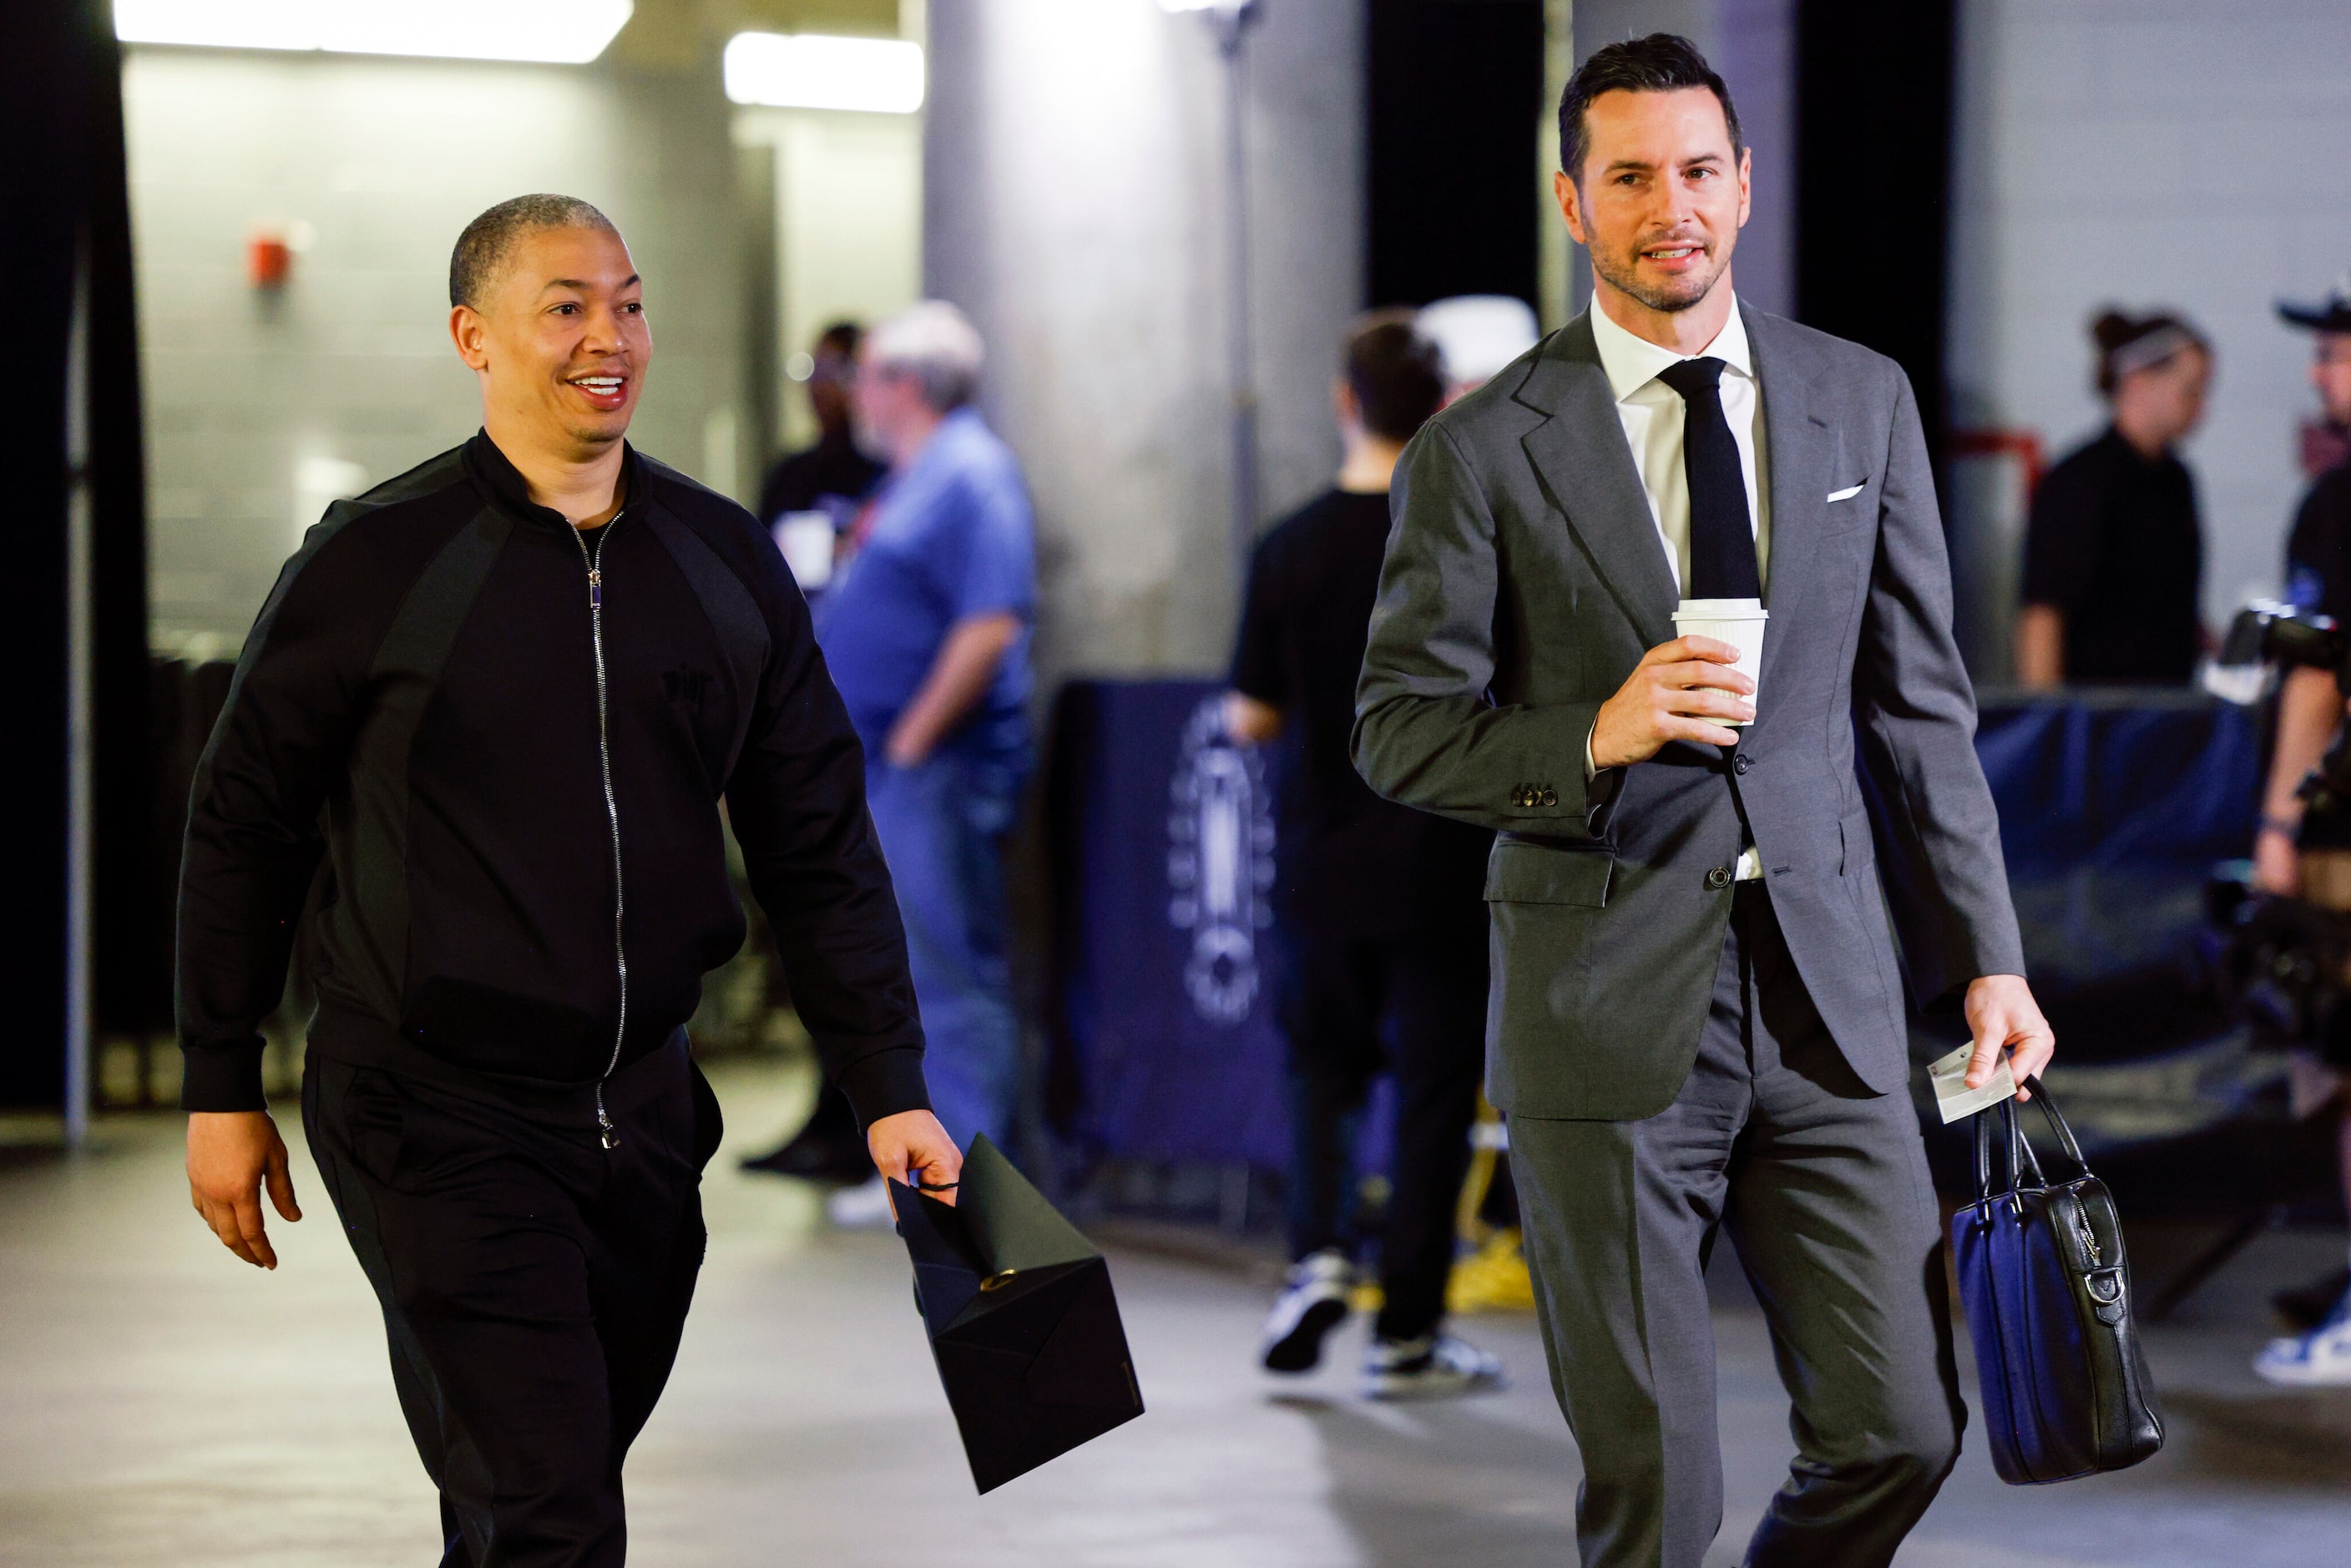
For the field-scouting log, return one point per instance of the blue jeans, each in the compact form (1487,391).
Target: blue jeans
(943,825)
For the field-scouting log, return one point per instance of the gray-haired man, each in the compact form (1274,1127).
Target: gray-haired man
(927,631)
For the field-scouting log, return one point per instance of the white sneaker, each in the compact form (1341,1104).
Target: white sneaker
(2319,1358)
(1312,1303)
(1434,1366)
(865,1207)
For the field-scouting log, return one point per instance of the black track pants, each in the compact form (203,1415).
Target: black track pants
(1339,995)
(534,1286)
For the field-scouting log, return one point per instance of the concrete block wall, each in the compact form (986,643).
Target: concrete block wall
(1073,204)
(849,219)
(2187,153)
(260,404)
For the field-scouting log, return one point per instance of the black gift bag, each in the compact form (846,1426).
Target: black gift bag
(1021,1320)
(2048,1298)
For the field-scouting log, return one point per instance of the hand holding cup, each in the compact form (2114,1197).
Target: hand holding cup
(1683,690)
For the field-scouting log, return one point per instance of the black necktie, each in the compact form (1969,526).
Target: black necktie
(1721,539)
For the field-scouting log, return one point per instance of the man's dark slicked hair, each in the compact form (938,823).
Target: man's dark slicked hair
(1658,63)
(483,247)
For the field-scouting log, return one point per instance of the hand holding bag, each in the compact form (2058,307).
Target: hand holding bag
(2047,1294)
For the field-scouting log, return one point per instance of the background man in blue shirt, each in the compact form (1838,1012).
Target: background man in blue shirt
(927,631)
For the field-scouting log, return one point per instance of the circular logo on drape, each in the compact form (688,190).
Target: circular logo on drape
(1219,863)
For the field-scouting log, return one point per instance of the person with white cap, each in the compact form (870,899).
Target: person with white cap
(1478,334)
(2310,712)
(1384,924)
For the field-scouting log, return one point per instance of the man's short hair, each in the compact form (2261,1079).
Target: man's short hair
(936,345)
(481,251)
(1397,373)
(1661,62)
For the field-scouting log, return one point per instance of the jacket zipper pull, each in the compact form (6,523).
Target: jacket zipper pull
(595,588)
(609,1134)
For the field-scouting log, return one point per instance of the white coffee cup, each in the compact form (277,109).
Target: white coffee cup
(1738,622)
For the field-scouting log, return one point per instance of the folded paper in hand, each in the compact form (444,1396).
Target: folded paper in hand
(1021,1319)
(1954,1098)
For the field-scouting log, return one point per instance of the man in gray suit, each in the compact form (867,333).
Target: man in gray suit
(1697,1020)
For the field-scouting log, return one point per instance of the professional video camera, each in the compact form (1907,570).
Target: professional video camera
(2286,962)
(2265,636)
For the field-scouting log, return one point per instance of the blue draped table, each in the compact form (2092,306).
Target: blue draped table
(2114,809)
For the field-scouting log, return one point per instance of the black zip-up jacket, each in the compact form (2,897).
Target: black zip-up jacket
(511,744)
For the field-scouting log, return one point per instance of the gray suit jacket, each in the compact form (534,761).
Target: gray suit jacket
(1524,581)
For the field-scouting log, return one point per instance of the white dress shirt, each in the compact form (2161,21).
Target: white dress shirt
(1653,416)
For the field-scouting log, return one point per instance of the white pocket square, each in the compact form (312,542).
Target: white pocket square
(1848,492)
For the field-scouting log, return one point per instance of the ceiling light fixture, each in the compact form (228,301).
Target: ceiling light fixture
(812,71)
(556,32)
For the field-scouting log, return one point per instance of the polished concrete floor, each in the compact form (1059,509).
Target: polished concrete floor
(161,1404)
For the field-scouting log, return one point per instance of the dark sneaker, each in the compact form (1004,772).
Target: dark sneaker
(1312,1303)
(1434,1366)
(835,1162)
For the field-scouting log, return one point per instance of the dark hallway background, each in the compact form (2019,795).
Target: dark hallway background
(1455,96)
(1873,179)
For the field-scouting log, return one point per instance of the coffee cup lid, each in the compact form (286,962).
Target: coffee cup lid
(1721,610)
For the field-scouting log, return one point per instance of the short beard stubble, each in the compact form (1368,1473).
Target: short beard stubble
(1623,277)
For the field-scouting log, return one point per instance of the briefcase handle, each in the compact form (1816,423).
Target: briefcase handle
(2021,1158)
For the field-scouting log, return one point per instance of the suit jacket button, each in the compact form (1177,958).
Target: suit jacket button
(1739,764)
(1550,798)
(1718,878)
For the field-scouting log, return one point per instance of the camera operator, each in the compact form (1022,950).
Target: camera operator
(2310,712)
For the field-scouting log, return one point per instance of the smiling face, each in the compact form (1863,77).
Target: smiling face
(560,343)
(1661,195)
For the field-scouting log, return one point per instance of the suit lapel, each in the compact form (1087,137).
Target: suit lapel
(1580,455)
(1797,440)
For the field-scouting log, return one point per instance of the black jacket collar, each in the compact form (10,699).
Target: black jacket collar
(503,483)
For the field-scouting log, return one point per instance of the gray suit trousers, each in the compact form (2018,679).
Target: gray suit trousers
(1822,1184)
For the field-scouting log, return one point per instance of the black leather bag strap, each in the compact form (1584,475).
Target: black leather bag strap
(2020,1160)
(2058,1125)
(2000,1175)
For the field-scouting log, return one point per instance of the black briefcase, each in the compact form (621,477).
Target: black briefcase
(1021,1320)
(2048,1298)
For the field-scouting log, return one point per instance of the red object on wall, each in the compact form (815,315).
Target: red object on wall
(268,261)
(2023,446)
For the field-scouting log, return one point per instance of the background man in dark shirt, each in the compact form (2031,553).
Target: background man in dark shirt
(835,476)
(1384,907)
(836,471)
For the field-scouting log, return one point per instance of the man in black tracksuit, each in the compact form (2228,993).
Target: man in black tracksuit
(502,697)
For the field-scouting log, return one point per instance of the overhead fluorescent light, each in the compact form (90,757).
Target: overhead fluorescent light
(558,32)
(812,71)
